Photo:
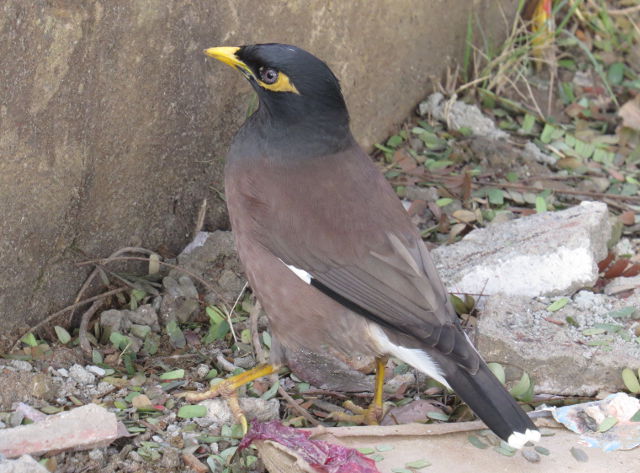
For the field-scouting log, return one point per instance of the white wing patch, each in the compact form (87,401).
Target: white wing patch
(301,273)
(415,357)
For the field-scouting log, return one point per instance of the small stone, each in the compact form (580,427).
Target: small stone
(180,301)
(141,402)
(530,455)
(21,365)
(202,371)
(63,372)
(112,320)
(97,455)
(24,464)
(144,315)
(100,372)
(245,362)
(140,331)
(81,375)
(170,459)
(254,408)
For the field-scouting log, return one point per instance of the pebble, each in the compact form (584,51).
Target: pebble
(531,456)
(96,455)
(21,365)
(63,372)
(81,375)
(202,371)
(100,372)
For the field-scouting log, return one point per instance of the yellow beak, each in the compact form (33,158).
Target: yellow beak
(227,54)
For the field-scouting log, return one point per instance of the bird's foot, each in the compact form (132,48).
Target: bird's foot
(371,415)
(228,389)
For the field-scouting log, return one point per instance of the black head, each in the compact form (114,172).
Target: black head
(293,85)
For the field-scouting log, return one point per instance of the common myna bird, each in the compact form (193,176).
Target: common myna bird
(328,248)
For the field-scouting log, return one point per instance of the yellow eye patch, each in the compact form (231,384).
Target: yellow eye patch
(282,84)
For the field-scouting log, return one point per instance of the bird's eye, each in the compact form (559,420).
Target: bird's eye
(268,75)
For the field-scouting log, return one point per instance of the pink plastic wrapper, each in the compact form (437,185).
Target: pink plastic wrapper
(323,456)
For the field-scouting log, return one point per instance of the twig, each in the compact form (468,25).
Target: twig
(599,195)
(84,324)
(168,265)
(200,220)
(255,336)
(624,11)
(297,407)
(95,272)
(62,311)
(230,313)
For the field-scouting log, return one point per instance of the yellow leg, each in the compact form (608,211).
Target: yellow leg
(373,414)
(228,388)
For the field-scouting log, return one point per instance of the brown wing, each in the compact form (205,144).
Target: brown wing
(340,221)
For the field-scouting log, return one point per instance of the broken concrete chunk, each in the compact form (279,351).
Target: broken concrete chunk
(24,464)
(550,253)
(577,358)
(458,115)
(84,428)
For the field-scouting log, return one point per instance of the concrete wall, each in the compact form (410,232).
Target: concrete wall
(114,125)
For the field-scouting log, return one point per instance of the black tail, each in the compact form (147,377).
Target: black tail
(489,399)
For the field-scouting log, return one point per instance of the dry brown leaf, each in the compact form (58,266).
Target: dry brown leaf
(465,216)
(628,217)
(630,113)
(616,269)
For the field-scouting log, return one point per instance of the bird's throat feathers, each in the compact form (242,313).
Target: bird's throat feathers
(289,133)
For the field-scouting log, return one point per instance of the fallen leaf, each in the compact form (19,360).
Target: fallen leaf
(630,113)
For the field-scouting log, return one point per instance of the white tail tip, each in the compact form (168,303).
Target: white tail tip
(518,440)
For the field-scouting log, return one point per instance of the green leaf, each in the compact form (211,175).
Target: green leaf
(366,450)
(118,340)
(593,331)
(443,202)
(615,74)
(394,141)
(607,424)
(266,339)
(384,448)
(438,416)
(557,305)
(572,321)
(175,335)
(528,123)
(476,442)
(192,411)
(174,374)
(151,343)
(62,334)
(401,470)
(541,204)
(498,371)
(245,336)
(418,464)
(269,393)
(512,176)
(541,450)
(96,357)
(547,133)
(631,380)
(521,387)
(626,313)
(496,196)
(635,417)
(30,340)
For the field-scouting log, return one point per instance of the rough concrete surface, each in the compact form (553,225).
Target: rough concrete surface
(113,124)
(544,254)
(562,359)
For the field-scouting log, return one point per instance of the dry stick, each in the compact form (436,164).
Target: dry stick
(168,265)
(94,273)
(62,311)
(84,325)
(260,356)
(599,195)
(624,11)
